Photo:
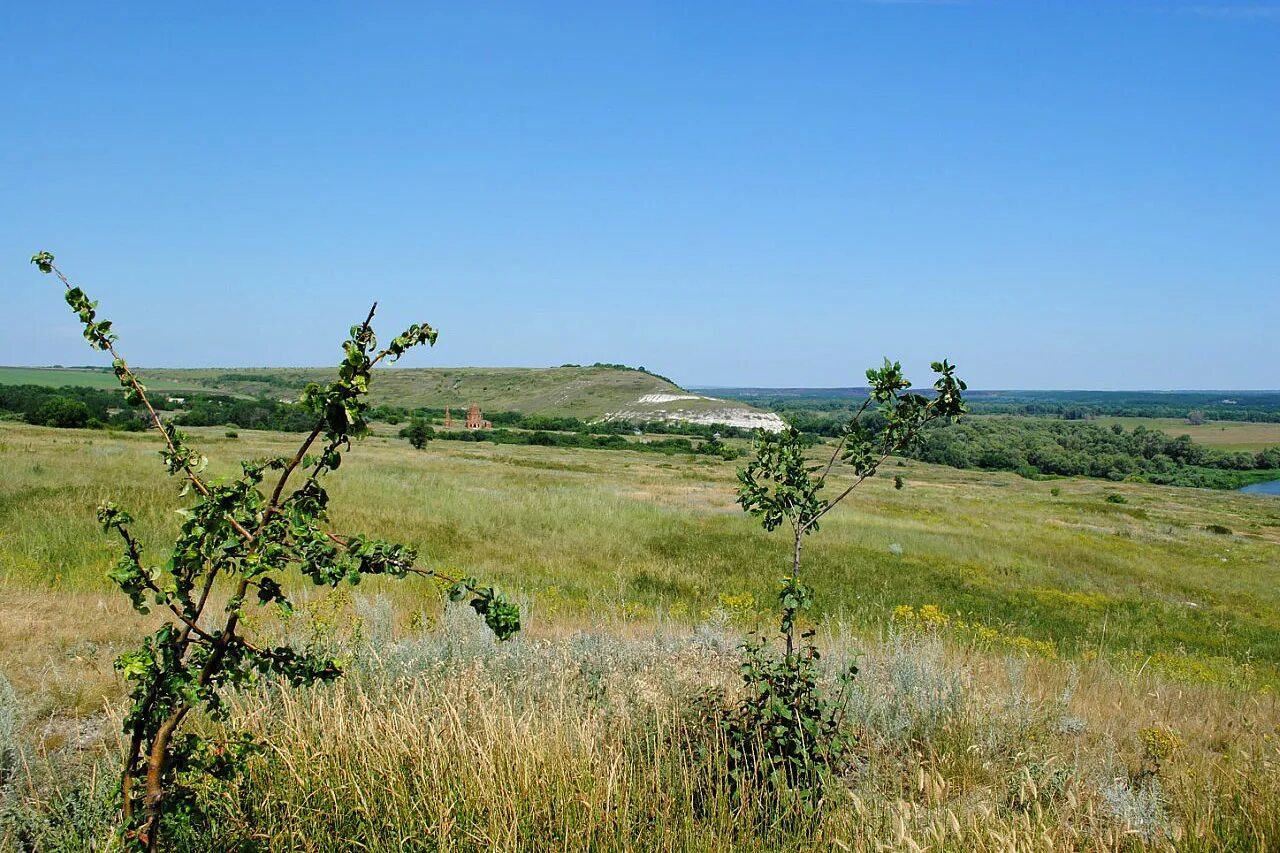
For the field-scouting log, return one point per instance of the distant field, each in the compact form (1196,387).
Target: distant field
(59,377)
(1224,435)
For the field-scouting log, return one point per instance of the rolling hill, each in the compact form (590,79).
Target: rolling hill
(64,377)
(596,392)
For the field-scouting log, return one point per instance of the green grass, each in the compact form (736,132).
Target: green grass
(60,377)
(639,575)
(1222,435)
(572,527)
(585,392)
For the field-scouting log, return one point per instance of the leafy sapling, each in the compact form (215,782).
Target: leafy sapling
(238,543)
(785,726)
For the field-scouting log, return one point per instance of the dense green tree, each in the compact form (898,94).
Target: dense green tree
(419,432)
(1051,447)
(61,412)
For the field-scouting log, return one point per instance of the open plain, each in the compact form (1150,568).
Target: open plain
(1016,639)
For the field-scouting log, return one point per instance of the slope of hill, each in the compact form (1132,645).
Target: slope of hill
(584,392)
(67,377)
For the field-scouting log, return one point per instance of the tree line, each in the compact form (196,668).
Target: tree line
(70,407)
(838,403)
(1039,447)
(94,408)
(418,432)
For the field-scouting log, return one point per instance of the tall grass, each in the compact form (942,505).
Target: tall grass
(1085,623)
(573,528)
(594,740)
(604,739)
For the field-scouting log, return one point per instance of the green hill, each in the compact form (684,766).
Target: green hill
(599,391)
(64,377)
(576,391)
(584,392)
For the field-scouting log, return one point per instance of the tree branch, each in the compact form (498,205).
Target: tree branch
(857,416)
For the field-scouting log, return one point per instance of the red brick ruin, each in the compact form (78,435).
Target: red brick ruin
(448,417)
(475,420)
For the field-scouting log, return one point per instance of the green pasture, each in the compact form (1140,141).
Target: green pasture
(1223,435)
(60,377)
(1169,573)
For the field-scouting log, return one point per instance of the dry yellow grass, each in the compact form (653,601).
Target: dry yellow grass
(588,742)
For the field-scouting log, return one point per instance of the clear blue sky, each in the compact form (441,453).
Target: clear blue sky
(1053,195)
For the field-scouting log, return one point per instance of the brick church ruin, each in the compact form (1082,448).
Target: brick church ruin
(475,419)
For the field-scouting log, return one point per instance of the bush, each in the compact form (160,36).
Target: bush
(61,412)
(419,432)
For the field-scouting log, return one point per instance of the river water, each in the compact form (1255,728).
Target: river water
(1269,488)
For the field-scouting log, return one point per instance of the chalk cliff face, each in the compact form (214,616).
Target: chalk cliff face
(697,409)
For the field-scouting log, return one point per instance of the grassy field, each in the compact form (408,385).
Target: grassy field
(1224,435)
(58,377)
(1162,610)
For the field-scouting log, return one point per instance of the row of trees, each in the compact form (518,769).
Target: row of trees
(419,432)
(1041,446)
(1070,405)
(609,365)
(94,408)
(1259,408)
(1030,446)
(69,408)
(79,408)
(246,414)
(563,423)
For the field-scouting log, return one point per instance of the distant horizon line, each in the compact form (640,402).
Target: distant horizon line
(993,390)
(687,387)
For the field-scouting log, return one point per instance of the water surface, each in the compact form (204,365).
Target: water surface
(1269,488)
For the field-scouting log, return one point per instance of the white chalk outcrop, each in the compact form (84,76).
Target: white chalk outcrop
(652,407)
(669,398)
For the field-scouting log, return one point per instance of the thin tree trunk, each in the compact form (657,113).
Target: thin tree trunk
(155,775)
(795,574)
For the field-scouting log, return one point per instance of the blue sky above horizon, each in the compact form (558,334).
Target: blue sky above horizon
(1050,194)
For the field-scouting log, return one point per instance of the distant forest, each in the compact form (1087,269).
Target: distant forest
(1258,406)
(1046,447)
(1053,436)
